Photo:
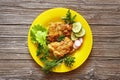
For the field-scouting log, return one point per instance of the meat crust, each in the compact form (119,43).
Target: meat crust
(59,49)
(58,28)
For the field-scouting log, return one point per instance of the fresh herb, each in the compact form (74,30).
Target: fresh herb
(68,18)
(49,65)
(42,50)
(60,38)
(69,61)
(45,54)
(39,50)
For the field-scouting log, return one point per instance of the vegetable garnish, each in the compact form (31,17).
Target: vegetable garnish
(77,27)
(38,34)
(78,31)
(49,65)
(69,61)
(68,19)
(60,38)
(77,44)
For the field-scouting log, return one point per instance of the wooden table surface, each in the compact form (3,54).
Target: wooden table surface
(17,15)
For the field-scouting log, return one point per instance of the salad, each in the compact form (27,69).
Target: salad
(56,44)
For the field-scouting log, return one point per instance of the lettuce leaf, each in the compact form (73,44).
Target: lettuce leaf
(41,37)
(38,34)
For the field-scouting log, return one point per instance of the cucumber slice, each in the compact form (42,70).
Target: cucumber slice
(81,33)
(73,37)
(76,27)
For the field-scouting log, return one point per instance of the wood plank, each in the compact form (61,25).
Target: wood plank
(11,45)
(92,18)
(91,69)
(106,41)
(27,7)
(15,56)
(13,40)
(24,12)
(108,69)
(11,30)
(112,2)
(26,69)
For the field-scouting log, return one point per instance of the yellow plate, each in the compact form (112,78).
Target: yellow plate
(80,55)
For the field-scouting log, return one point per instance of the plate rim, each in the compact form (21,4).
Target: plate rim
(36,56)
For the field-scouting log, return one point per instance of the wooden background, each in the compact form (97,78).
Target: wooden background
(17,15)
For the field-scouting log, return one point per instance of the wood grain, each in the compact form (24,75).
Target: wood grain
(17,15)
(24,12)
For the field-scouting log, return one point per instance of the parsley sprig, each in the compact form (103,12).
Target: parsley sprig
(68,19)
(60,38)
(69,61)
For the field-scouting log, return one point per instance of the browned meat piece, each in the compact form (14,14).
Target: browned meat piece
(58,28)
(59,49)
